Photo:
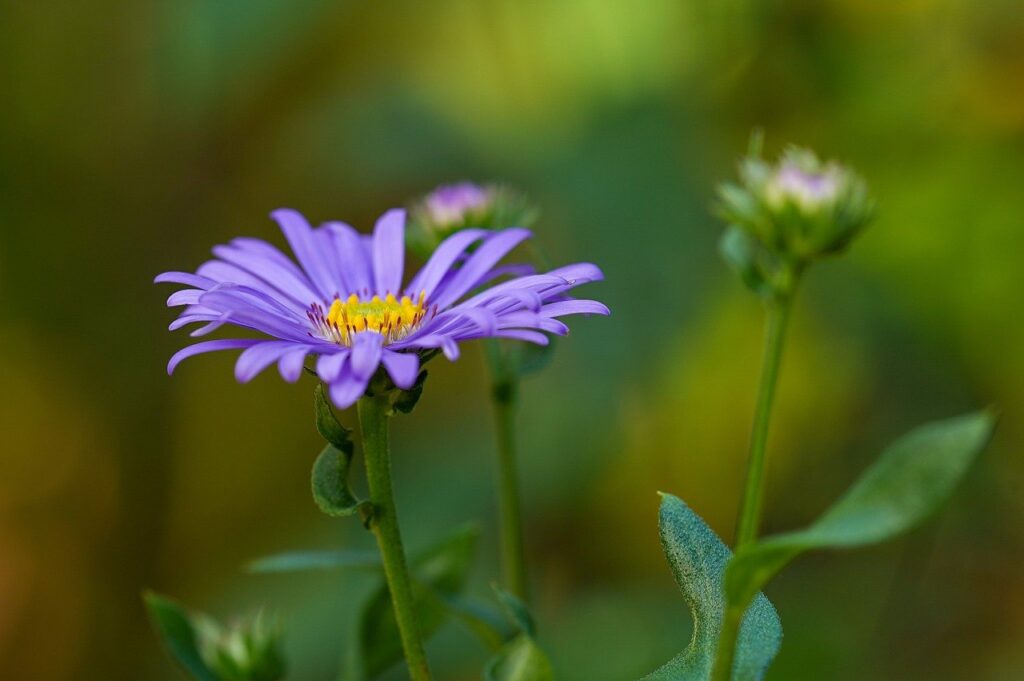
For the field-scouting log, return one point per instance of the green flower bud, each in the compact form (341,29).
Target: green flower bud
(784,215)
(450,208)
(245,650)
(799,207)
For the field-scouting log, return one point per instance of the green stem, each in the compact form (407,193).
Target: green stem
(513,559)
(727,640)
(753,494)
(373,421)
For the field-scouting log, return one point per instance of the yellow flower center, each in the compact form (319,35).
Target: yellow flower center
(392,318)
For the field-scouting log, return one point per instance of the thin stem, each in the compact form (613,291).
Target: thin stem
(513,558)
(727,640)
(753,493)
(373,421)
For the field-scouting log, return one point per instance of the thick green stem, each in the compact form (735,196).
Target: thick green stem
(373,420)
(513,558)
(753,493)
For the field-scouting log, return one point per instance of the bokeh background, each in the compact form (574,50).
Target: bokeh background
(136,135)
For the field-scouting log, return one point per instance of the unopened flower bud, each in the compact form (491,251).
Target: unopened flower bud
(799,207)
(452,207)
(245,650)
(790,213)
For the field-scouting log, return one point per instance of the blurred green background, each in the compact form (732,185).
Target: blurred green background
(136,135)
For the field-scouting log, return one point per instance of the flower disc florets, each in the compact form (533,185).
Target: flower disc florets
(392,318)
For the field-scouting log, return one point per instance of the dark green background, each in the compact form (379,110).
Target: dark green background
(135,135)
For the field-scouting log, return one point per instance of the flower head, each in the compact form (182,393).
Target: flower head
(452,207)
(798,207)
(344,302)
(784,215)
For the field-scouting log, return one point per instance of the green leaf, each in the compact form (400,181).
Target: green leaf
(330,483)
(907,483)
(521,659)
(516,611)
(439,571)
(299,561)
(327,423)
(173,624)
(331,490)
(485,623)
(698,559)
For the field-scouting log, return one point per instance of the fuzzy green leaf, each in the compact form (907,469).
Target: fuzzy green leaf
(331,491)
(698,559)
(299,561)
(173,624)
(907,483)
(438,572)
(327,423)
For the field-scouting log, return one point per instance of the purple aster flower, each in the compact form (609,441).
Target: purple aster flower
(344,301)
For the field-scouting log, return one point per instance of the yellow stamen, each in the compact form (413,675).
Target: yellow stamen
(392,318)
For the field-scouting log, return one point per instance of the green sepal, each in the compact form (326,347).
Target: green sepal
(740,252)
(439,572)
(698,559)
(304,561)
(908,482)
(405,401)
(173,624)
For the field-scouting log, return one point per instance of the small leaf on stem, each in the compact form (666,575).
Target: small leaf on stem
(331,491)
(173,623)
(299,561)
(908,482)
